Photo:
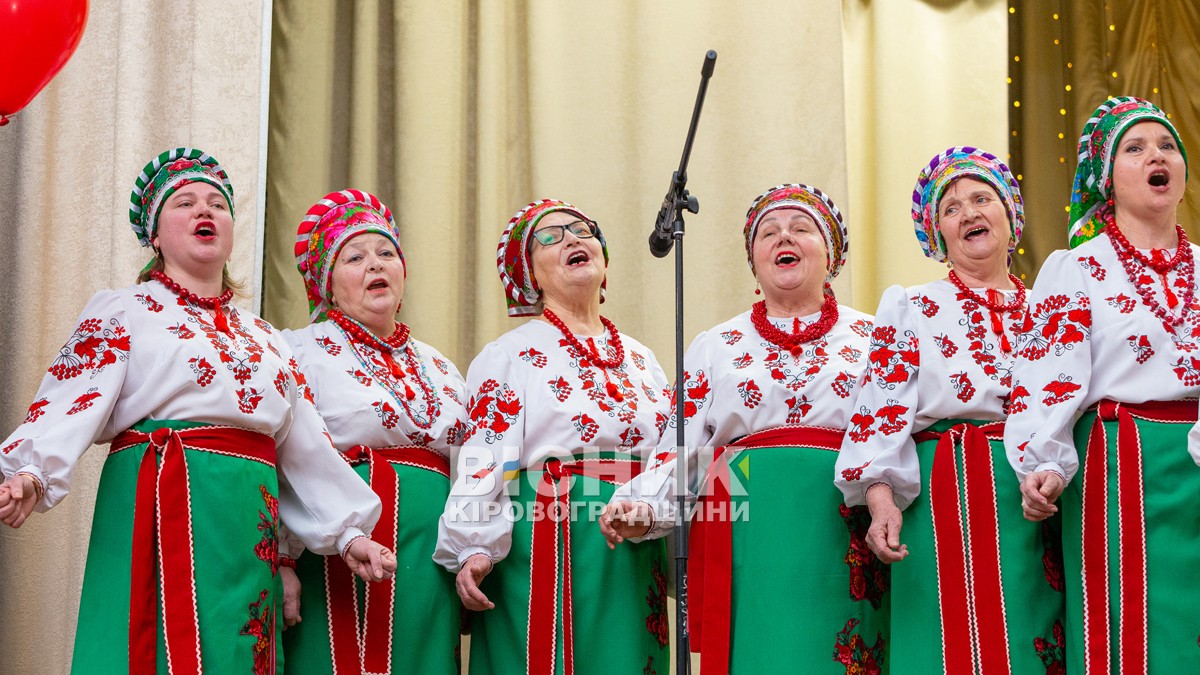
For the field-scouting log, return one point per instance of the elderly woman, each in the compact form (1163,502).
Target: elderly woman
(979,591)
(779,380)
(1104,413)
(213,444)
(394,408)
(562,411)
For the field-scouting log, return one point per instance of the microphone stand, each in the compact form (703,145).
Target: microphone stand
(668,232)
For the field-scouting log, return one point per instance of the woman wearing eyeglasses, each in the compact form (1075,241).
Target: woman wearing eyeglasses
(562,411)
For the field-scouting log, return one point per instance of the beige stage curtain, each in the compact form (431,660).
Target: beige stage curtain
(1067,57)
(921,76)
(457,113)
(146,77)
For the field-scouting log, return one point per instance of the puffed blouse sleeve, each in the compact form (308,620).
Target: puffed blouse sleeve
(878,447)
(656,485)
(1052,372)
(475,519)
(75,400)
(321,500)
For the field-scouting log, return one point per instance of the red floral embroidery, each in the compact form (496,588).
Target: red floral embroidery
(457,433)
(534,358)
(850,354)
(150,303)
(85,401)
(660,422)
(656,598)
(330,347)
(696,392)
(261,627)
(1057,391)
(441,365)
(561,389)
(267,549)
(945,345)
(796,369)
(630,438)
(963,386)
(484,472)
(892,361)
(585,426)
(281,383)
(869,577)
(11,446)
(36,410)
(1141,346)
(248,399)
(387,414)
(861,424)
(731,336)
(855,472)
(1093,267)
(450,393)
(842,385)
(743,361)
(861,327)
(928,307)
(891,414)
(181,331)
(1017,400)
(650,396)
(203,370)
(1187,369)
(362,378)
(1056,322)
(798,407)
(302,388)
(852,651)
(1053,654)
(493,410)
(262,325)
(750,393)
(91,347)
(638,360)
(1122,302)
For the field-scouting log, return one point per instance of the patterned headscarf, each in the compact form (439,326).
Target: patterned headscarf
(944,169)
(328,225)
(513,259)
(1097,144)
(165,174)
(816,204)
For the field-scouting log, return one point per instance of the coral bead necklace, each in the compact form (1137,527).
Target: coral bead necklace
(793,341)
(592,355)
(214,304)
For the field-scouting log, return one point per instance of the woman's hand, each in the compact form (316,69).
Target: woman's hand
(474,569)
(369,559)
(624,519)
(291,596)
(1039,491)
(18,496)
(883,536)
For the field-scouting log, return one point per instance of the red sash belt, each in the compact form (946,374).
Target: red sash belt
(1131,533)
(163,516)
(970,588)
(710,567)
(551,523)
(364,647)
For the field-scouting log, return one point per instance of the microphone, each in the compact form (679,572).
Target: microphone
(662,237)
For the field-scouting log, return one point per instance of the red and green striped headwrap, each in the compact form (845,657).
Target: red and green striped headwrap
(328,225)
(1097,145)
(513,261)
(816,204)
(165,174)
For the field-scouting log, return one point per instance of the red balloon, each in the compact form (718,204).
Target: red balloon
(39,37)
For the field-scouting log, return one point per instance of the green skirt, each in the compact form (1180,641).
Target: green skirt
(1131,544)
(981,588)
(183,559)
(780,577)
(561,595)
(407,625)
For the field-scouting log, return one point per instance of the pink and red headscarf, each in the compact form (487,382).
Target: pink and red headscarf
(817,205)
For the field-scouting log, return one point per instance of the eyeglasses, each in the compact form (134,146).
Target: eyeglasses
(552,234)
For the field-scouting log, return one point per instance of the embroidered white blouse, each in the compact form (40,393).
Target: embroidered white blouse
(531,400)
(935,354)
(143,353)
(1092,337)
(738,383)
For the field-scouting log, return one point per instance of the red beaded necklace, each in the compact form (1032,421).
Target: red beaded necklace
(1183,258)
(591,354)
(356,333)
(793,341)
(996,308)
(207,303)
